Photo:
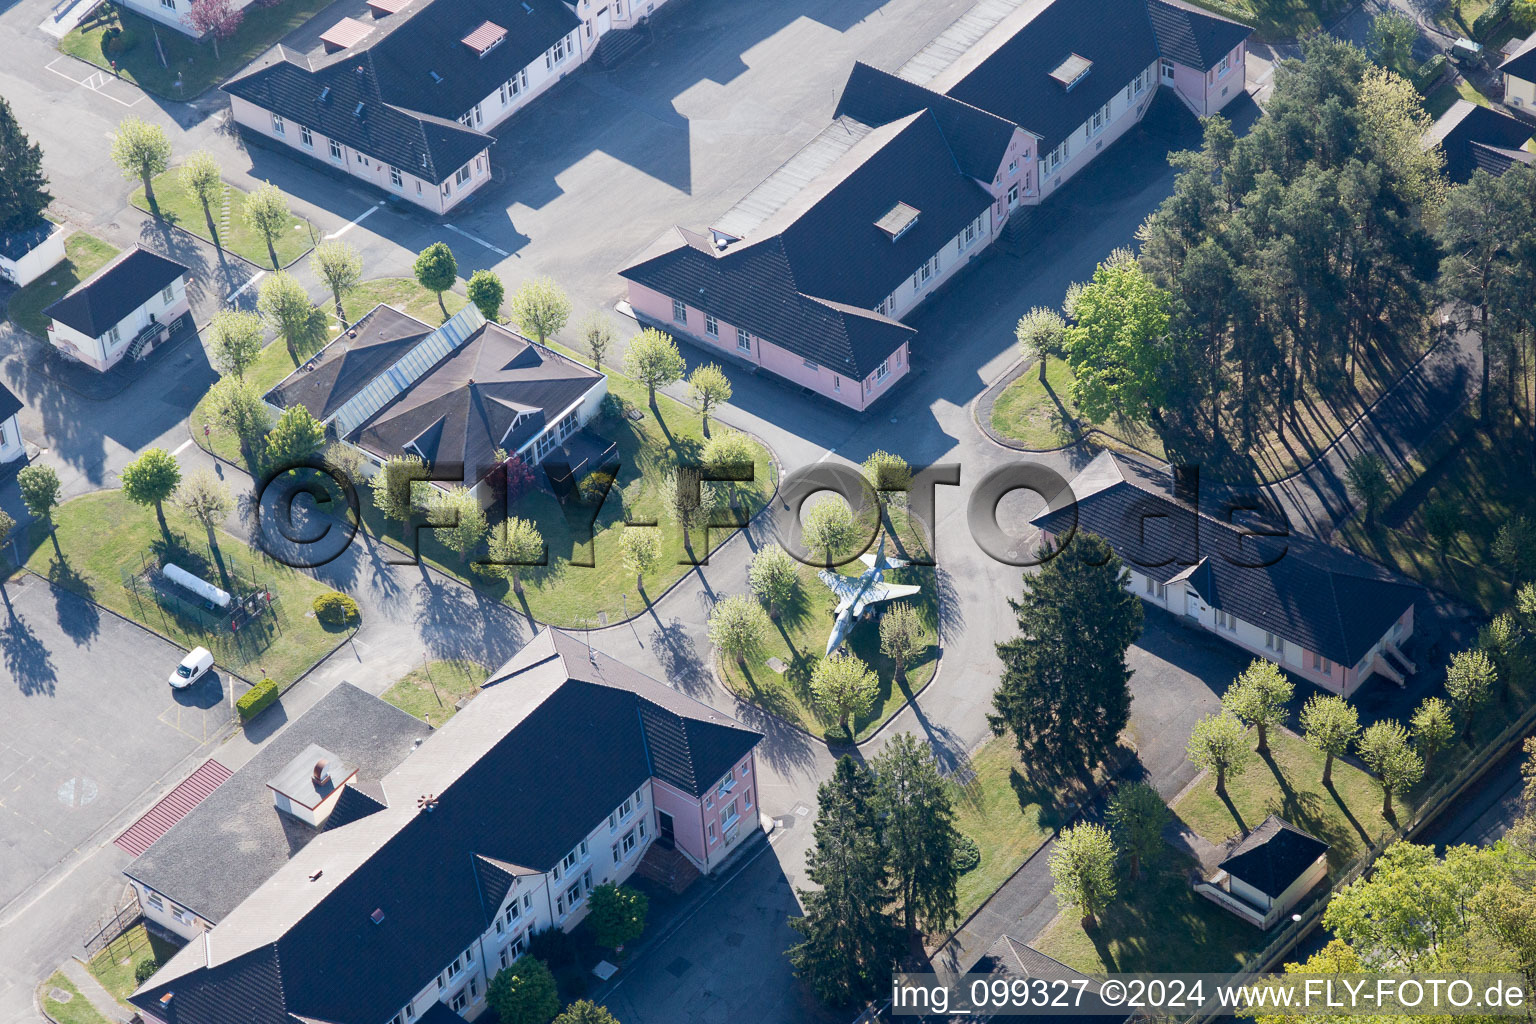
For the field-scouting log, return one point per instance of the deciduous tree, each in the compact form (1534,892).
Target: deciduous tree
(235,404)
(1257,697)
(1433,727)
(524,993)
(829,528)
(200,176)
(1219,744)
(641,546)
(1390,42)
(844,687)
(774,577)
(653,360)
(150,479)
(709,387)
(1065,688)
(436,270)
(514,546)
(1083,868)
(486,291)
(207,500)
(918,833)
(234,340)
(690,500)
(142,151)
(394,486)
(458,518)
(597,335)
(738,627)
(294,438)
(540,308)
(850,943)
(1469,683)
(1329,725)
(617,915)
(584,1011)
(266,213)
(903,636)
(1041,333)
(1136,818)
(1366,475)
(1385,750)
(340,266)
(216,18)
(284,305)
(1115,344)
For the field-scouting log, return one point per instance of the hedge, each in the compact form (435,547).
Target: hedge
(1491,18)
(335,610)
(1429,73)
(257,699)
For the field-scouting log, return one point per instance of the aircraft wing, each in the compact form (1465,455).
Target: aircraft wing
(845,587)
(885,592)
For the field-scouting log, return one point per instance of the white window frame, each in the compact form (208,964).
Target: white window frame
(462,175)
(335,149)
(279,126)
(711,325)
(396,178)
(743,340)
(679,311)
(882,371)
(1100,119)
(1223,67)
(169,295)
(1166,66)
(1013,194)
(306,137)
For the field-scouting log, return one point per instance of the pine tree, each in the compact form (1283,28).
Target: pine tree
(23,185)
(1065,691)
(919,834)
(850,942)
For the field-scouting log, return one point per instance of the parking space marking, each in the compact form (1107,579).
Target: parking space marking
(97,81)
(477,238)
(232,296)
(355,221)
(182,447)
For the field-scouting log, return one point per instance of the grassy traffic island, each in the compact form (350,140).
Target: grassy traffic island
(106,549)
(779,679)
(141,43)
(83,255)
(432,692)
(66,1004)
(177,206)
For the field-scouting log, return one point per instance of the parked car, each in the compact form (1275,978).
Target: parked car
(192,668)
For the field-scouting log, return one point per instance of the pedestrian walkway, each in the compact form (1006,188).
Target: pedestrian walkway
(89,987)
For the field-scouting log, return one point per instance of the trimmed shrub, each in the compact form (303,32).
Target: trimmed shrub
(1429,73)
(615,407)
(257,699)
(967,854)
(144,968)
(335,610)
(1492,17)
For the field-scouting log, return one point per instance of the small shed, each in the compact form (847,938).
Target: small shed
(11,447)
(26,255)
(1267,873)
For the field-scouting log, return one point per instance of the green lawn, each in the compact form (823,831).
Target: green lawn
(140,62)
(102,536)
(83,256)
(1038,416)
(1443,98)
(431,691)
(799,641)
(573,595)
(175,205)
(1008,816)
(1347,816)
(1156,923)
(114,966)
(77,1010)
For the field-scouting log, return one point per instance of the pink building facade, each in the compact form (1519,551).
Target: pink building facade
(708,829)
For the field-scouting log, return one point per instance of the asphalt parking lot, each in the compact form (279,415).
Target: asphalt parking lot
(91,727)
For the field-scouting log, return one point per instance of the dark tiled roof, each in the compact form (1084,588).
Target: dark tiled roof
(429,146)
(1312,594)
(977,138)
(817,268)
(134,277)
(1273,856)
(551,745)
(1522,63)
(10,405)
(496,390)
(1120,37)
(16,244)
(231,842)
(1476,138)
(1192,37)
(350,363)
(1011,959)
(352,805)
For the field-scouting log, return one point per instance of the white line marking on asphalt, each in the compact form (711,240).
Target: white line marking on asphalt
(232,296)
(183,446)
(95,81)
(826,455)
(355,221)
(477,238)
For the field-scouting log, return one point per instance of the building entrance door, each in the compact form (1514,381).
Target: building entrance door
(604,21)
(667,838)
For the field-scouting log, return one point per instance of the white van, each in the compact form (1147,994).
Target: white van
(192,668)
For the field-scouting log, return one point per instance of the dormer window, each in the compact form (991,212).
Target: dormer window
(1072,70)
(898,220)
(485,38)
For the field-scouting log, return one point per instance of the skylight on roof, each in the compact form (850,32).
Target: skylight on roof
(898,220)
(1072,70)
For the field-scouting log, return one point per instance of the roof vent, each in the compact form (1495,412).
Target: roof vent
(314,876)
(322,771)
(361,71)
(1072,70)
(427,802)
(377,917)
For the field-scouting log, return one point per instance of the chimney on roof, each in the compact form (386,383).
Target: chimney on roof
(377,917)
(322,772)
